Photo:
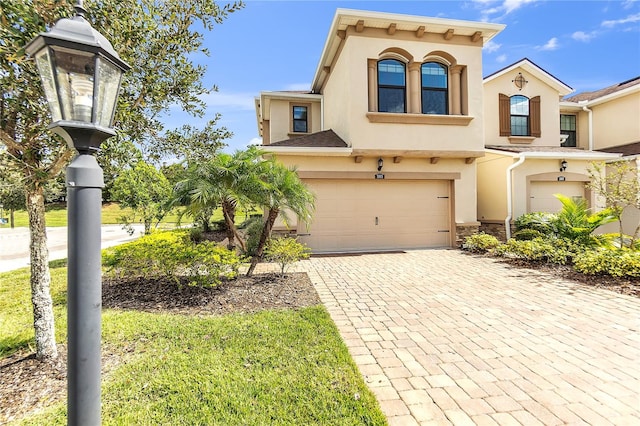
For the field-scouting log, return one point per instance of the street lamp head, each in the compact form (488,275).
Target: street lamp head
(81,74)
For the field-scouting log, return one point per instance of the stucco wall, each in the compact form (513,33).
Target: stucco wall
(346,99)
(617,122)
(280,114)
(549,107)
(492,187)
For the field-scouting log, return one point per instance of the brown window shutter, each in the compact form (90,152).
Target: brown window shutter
(534,116)
(504,114)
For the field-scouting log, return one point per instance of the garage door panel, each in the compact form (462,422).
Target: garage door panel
(542,199)
(365,215)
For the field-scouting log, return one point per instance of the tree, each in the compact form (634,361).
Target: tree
(619,184)
(190,143)
(144,190)
(282,192)
(11,191)
(158,38)
(225,180)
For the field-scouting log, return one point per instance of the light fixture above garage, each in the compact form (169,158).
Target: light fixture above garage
(563,165)
(380,163)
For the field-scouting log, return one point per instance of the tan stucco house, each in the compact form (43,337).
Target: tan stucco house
(389,134)
(535,147)
(405,145)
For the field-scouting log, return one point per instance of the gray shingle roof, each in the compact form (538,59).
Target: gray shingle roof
(324,139)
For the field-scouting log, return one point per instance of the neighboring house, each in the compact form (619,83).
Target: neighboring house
(610,122)
(389,134)
(535,147)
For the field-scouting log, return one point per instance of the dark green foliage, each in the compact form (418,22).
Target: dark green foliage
(541,222)
(527,234)
(253,228)
(480,243)
(285,251)
(544,250)
(617,263)
(172,254)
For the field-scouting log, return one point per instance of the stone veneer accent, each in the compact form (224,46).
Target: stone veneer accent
(496,229)
(464,230)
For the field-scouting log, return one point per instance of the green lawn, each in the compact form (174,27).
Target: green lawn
(56,215)
(285,367)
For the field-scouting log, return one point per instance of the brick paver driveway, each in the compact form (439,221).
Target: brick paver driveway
(442,337)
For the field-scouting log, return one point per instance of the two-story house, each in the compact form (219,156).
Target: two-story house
(389,135)
(608,120)
(535,147)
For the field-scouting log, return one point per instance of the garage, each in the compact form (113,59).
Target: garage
(541,197)
(355,214)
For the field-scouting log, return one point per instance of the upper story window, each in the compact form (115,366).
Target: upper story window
(435,97)
(391,86)
(519,116)
(568,127)
(300,121)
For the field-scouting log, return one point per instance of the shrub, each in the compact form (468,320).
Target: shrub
(527,234)
(557,251)
(480,243)
(543,223)
(253,228)
(285,251)
(172,254)
(617,263)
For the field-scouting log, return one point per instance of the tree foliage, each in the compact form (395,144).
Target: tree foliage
(158,38)
(145,191)
(619,184)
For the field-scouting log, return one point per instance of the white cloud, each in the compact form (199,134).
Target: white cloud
(511,5)
(491,46)
(255,141)
(552,44)
(504,7)
(582,36)
(627,4)
(501,59)
(234,101)
(629,19)
(297,86)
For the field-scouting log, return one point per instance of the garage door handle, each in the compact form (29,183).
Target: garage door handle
(376,220)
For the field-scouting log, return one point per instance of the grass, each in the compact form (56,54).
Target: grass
(56,215)
(285,367)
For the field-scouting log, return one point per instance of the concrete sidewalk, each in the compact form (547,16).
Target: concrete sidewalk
(14,243)
(442,337)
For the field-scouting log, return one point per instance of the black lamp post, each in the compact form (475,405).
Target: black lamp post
(81,74)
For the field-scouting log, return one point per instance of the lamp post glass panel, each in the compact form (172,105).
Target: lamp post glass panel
(81,74)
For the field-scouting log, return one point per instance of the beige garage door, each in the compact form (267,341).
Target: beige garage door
(542,199)
(378,215)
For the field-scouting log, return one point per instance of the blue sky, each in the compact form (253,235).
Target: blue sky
(276,45)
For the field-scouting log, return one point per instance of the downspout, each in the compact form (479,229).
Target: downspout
(507,221)
(585,109)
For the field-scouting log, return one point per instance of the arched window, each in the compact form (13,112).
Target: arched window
(391,86)
(519,115)
(435,97)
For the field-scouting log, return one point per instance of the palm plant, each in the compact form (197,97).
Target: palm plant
(280,191)
(222,181)
(576,222)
